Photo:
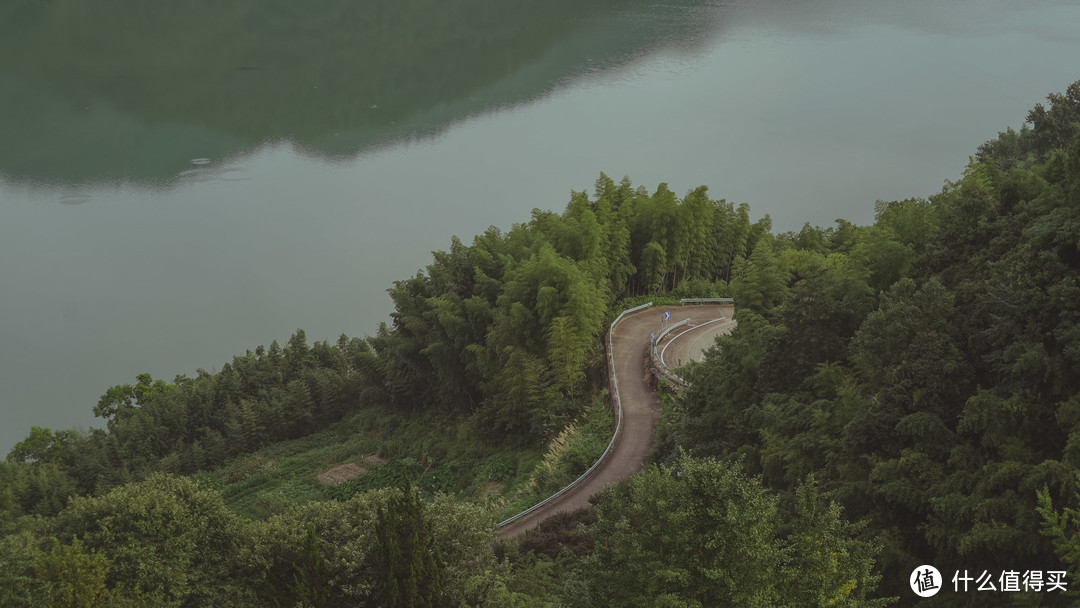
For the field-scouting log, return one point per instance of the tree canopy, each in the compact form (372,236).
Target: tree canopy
(923,369)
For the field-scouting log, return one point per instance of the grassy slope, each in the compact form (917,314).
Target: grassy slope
(439,456)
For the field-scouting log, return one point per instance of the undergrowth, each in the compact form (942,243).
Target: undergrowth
(436,456)
(568,455)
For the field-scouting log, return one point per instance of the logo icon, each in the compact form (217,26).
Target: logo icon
(925,581)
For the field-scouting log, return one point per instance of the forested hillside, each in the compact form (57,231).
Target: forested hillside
(500,335)
(895,394)
(926,369)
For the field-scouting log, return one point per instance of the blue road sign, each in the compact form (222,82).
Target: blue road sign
(652,337)
(667,315)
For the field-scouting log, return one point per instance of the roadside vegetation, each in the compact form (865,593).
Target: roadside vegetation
(897,394)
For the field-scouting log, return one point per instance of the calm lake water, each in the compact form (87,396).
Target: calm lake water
(180,183)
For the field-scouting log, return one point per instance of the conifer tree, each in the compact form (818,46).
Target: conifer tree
(408,569)
(311,582)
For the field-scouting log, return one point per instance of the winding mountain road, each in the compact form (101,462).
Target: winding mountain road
(641,409)
(690,344)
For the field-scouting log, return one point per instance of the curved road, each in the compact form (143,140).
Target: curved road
(641,409)
(689,344)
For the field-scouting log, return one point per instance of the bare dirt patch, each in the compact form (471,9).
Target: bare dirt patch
(344,472)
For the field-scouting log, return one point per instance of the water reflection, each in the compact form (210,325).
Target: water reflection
(213,174)
(100,92)
(957,18)
(74,198)
(129,246)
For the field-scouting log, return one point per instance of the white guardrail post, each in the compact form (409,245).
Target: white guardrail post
(616,401)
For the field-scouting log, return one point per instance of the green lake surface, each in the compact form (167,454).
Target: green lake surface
(180,182)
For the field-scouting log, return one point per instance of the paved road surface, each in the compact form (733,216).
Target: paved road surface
(687,344)
(641,409)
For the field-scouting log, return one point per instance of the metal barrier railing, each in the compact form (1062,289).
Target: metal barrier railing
(685,321)
(664,370)
(618,424)
(664,350)
(658,357)
(706,300)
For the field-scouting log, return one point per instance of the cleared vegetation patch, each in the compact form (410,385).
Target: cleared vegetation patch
(344,472)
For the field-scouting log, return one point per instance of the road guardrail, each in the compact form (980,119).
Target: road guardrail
(685,301)
(617,402)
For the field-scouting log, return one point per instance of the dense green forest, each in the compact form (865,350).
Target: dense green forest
(925,370)
(896,394)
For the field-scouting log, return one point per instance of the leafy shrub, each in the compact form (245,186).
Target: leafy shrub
(497,467)
(247,465)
